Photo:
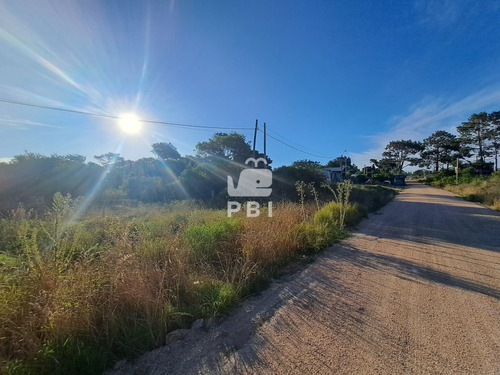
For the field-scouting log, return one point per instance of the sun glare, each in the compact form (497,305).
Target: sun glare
(129,123)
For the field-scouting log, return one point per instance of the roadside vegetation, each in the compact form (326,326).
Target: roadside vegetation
(76,295)
(474,150)
(465,163)
(102,259)
(482,189)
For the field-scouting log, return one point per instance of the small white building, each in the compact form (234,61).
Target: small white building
(334,174)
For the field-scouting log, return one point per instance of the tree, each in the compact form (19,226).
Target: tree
(438,149)
(27,156)
(108,159)
(200,181)
(494,135)
(400,152)
(75,157)
(33,179)
(285,177)
(375,163)
(222,145)
(384,166)
(345,162)
(306,164)
(341,161)
(165,151)
(475,133)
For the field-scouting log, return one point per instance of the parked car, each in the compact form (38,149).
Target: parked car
(399,180)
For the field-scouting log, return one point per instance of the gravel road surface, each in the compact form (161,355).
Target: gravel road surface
(414,290)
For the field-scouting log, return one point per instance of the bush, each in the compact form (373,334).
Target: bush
(214,297)
(327,225)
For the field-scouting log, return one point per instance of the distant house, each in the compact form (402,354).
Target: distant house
(334,174)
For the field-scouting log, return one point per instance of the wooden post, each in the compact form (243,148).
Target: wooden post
(265,152)
(255,136)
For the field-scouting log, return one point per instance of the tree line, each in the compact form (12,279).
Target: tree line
(476,145)
(32,179)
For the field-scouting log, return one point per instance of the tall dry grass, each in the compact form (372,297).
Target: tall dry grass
(483,190)
(77,296)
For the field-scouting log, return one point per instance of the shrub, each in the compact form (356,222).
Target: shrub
(328,224)
(214,297)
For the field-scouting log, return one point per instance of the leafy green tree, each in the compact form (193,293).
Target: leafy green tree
(474,133)
(384,167)
(165,151)
(341,161)
(306,164)
(494,135)
(202,181)
(26,157)
(75,157)
(108,159)
(230,146)
(221,156)
(285,178)
(438,149)
(400,152)
(33,179)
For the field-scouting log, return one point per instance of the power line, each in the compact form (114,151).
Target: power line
(298,149)
(297,145)
(164,123)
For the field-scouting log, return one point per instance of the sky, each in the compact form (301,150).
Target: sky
(328,78)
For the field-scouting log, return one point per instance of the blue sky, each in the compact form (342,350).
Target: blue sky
(326,76)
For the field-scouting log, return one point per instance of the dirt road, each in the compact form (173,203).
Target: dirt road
(415,290)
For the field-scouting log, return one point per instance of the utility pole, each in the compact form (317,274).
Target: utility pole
(255,136)
(456,173)
(265,152)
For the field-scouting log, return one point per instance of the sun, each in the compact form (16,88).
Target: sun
(129,123)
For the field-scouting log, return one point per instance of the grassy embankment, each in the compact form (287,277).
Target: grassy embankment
(75,297)
(485,190)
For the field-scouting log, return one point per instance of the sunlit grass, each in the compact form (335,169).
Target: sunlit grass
(486,191)
(76,298)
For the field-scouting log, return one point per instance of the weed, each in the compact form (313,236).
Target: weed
(300,186)
(77,295)
(314,192)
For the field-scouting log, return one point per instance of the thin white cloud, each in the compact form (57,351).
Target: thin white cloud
(24,124)
(444,13)
(429,115)
(5,160)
